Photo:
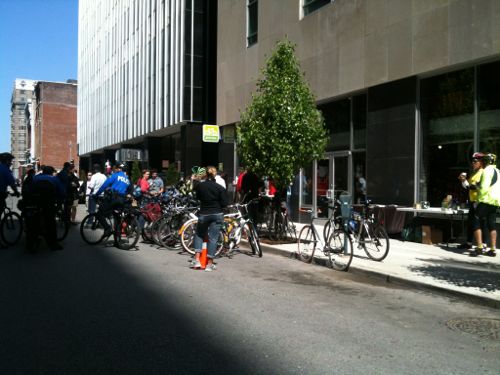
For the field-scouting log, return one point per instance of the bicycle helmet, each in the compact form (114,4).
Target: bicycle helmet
(490,159)
(478,155)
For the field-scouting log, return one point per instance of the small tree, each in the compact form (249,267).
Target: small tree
(172,175)
(281,131)
(135,173)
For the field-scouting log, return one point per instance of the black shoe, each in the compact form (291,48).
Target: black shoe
(491,253)
(475,252)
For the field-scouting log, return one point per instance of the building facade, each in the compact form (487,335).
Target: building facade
(146,72)
(408,89)
(55,115)
(21,108)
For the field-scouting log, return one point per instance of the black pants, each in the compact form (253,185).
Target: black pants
(116,202)
(41,220)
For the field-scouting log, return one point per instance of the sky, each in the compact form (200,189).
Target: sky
(39,41)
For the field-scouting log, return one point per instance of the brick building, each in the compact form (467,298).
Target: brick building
(55,123)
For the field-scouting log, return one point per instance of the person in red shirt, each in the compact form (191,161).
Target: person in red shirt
(239,181)
(143,181)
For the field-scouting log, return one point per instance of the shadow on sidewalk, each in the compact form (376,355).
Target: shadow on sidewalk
(463,274)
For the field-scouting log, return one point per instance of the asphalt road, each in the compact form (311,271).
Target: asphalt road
(100,310)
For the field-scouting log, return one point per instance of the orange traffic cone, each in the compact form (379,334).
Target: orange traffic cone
(203,255)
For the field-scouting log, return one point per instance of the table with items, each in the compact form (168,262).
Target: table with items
(437,212)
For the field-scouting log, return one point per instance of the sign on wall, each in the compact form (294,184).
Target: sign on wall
(211,133)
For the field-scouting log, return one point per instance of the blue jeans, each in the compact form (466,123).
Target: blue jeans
(208,224)
(92,205)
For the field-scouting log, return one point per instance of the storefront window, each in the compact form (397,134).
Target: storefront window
(359,121)
(489,107)
(447,124)
(337,117)
(359,165)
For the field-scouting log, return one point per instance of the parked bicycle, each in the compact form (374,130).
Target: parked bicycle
(11,226)
(237,225)
(366,231)
(337,247)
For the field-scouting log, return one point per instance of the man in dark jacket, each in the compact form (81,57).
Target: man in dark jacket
(46,191)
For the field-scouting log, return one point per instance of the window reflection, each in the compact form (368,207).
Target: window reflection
(447,118)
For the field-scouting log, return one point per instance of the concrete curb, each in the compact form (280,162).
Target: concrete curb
(485,301)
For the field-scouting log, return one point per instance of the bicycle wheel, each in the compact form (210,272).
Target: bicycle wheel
(279,226)
(253,239)
(306,244)
(187,235)
(168,233)
(376,243)
(91,230)
(62,226)
(127,232)
(147,232)
(328,229)
(340,250)
(291,230)
(11,228)
(155,230)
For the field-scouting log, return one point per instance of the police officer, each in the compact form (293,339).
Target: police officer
(46,191)
(118,185)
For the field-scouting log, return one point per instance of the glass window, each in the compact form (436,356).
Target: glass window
(447,124)
(359,121)
(312,5)
(337,121)
(359,165)
(252,22)
(489,108)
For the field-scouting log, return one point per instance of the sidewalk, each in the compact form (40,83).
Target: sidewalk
(434,267)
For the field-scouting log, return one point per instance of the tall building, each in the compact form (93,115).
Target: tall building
(55,123)
(146,73)
(21,105)
(408,89)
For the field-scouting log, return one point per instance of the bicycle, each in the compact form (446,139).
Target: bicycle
(123,221)
(370,235)
(278,223)
(11,226)
(338,246)
(235,226)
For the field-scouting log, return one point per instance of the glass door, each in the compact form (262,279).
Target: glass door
(332,173)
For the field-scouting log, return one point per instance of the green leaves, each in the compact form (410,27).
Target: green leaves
(281,130)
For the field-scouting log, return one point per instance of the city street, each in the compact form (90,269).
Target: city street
(100,310)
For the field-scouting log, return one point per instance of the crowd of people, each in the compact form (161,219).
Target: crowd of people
(45,190)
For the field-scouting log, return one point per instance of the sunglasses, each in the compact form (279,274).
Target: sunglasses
(475,161)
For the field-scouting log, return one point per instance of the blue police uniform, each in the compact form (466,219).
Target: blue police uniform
(118,183)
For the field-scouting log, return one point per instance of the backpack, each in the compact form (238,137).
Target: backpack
(43,193)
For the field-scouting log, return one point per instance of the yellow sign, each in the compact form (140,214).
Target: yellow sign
(211,133)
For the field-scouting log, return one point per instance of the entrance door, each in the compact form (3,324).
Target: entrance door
(333,173)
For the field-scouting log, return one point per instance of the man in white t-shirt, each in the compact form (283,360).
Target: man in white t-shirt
(94,185)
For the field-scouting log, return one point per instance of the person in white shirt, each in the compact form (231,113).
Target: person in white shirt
(220,180)
(94,185)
